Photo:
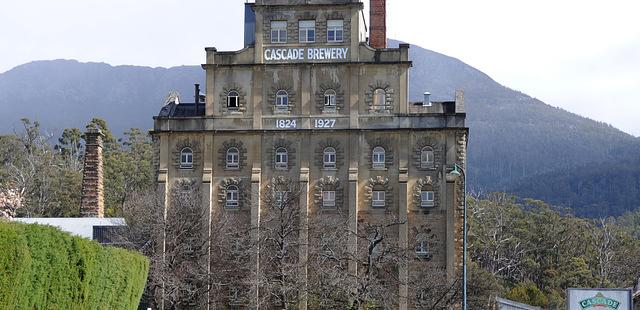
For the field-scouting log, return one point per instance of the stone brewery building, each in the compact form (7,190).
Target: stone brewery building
(317,97)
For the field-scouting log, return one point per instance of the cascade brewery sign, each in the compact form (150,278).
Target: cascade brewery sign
(593,299)
(599,301)
(300,54)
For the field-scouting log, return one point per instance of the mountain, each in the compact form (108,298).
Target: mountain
(513,137)
(67,93)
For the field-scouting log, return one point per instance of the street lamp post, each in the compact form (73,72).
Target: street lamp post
(457,171)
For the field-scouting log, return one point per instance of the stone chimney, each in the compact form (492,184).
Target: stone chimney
(378,21)
(92,187)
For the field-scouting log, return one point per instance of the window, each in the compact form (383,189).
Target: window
(426,157)
(426,199)
(328,199)
(232,197)
(281,199)
(186,158)
(378,157)
(379,99)
(307,31)
(233,102)
(422,248)
(278,32)
(329,158)
(282,158)
(335,30)
(233,158)
(330,100)
(378,199)
(282,101)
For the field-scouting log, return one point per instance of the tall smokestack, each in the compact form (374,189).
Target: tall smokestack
(92,204)
(378,21)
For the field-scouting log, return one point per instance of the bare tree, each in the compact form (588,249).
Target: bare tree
(175,241)
(279,244)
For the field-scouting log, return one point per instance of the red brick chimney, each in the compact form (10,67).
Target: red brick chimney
(378,21)
(92,204)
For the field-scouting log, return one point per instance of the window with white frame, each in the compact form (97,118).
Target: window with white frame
(422,247)
(328,199)
(233,100)
(329,158)
(330,100)
(426,157)
(282,101)
(378,199)
(280,198)
(278,31)
(233,158)
(307,31)
(378,157)
(232,200)
(335,30)
(186,158)
(379,99)
(427,199)
(282,158)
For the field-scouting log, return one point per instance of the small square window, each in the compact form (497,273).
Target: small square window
(335,30)
(378,199)
(427,199)
(307,31)
(422,248)
(281,198)
(278,32)
(328,199)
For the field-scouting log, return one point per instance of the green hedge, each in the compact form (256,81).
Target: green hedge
(42,267)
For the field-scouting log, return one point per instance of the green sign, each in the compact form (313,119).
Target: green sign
(599,301)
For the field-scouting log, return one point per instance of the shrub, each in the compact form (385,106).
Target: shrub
(42,267)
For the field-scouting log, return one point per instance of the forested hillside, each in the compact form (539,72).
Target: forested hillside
(513,137)
(600,189)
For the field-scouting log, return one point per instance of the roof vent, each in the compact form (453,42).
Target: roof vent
(427,99)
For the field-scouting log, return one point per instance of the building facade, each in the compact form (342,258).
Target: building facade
(316,97)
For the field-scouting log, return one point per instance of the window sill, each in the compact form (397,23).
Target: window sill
(379,168)
(329,169)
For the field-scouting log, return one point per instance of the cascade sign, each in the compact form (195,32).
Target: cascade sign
(599,299)
(309,54)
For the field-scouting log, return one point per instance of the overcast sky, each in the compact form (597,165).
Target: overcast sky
(581,55)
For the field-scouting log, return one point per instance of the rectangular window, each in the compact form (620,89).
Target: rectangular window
(278,32)
(281,199)
(378,199)
(427,199)
(328,199)
(335,30)
(422,248)
(307,31)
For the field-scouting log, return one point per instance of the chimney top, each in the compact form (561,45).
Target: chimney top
(378,24)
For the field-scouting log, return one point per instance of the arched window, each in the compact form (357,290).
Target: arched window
(330,100)
(282,158)
(426,157)
(329,158)
(378,199)
(378,157)
(422,246)
(232,200)
(427,199)
(233,100)
(282,100)
(233,158)
(328,199)
(379,99)
(186,158)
